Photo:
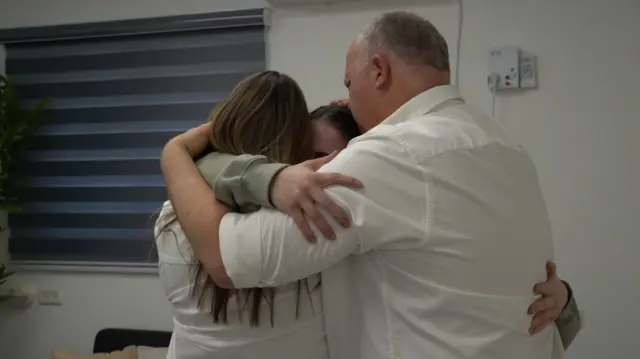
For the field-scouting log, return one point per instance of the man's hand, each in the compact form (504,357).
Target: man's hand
(555,295)
(299,191)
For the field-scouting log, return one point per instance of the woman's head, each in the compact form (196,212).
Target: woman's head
(265,114)
(334,126)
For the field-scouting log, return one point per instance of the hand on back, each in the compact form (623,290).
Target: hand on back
(554,297)
(299,192)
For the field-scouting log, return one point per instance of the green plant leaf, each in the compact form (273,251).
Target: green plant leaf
(3,272)
(10,207)
(17,125)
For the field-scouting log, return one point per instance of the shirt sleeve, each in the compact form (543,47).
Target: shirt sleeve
(265,248)
(239,181)
(569,323)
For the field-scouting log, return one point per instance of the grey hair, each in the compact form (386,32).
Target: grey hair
(411,38)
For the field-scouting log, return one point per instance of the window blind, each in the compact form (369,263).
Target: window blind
(118,93)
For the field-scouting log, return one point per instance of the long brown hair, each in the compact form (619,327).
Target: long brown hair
(265,114)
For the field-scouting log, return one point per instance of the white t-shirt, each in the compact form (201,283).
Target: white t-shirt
(196,336)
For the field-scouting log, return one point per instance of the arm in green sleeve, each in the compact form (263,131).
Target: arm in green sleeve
(569,322)
(239,181)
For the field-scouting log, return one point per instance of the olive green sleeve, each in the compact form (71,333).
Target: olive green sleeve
(239,181)
(569,322)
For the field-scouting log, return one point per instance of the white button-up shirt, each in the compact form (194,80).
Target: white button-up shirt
(449,234)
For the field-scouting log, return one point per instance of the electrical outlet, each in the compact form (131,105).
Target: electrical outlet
(49,297)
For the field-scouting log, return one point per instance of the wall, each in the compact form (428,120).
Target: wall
(317,62)
(577,126)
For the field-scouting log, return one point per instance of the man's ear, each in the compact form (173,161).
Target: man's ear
(382,70)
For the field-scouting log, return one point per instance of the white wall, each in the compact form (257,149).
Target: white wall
(91,302)
(316,60)
(578,126)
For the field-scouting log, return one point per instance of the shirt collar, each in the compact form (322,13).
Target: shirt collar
(424,103)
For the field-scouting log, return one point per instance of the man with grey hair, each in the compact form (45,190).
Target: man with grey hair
(445,235)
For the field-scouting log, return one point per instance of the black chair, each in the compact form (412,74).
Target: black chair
(112,339)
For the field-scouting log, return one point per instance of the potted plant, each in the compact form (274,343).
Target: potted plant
(4,274)
(17,123)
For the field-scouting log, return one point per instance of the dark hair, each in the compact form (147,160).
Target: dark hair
(265,114)
(340,117)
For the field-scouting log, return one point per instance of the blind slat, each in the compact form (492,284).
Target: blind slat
(82,250)
(131,100)
(150,113)
(98,128)
(204,84)
(154,72)
(93,194)
(98,142)
(177,57)
(167,41)
(92,207)
(107,155)
(95,168)
(91,234)
(83,220)
(220,21)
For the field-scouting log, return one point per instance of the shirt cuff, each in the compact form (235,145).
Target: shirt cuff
(245,182)
(242,258)
(569,311)
(569,294)
(259,178)
(569,323)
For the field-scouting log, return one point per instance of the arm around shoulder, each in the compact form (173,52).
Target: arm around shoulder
(266,248)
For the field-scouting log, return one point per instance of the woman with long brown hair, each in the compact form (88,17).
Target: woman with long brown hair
(265,114)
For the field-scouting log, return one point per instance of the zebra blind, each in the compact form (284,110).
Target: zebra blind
(115,101)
